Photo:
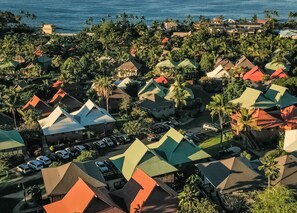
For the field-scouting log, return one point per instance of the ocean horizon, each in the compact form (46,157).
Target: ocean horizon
(70,16)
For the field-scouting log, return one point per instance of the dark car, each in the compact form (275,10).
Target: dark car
(52,156)
(73,152)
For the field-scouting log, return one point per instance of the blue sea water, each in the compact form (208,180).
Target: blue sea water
(70,15)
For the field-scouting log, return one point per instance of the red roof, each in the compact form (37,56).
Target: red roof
(33,102)
(279,73)
(165,40)
(161,80)
(254,74)
(289,114)
(83,198)
(36,103)
(57,83)
(38,52)
(265,120)
(58,96)
(261,21)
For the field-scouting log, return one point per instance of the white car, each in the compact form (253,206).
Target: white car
(100,144)
(103,168)
(24,169)
(35,165)
(62,154)
(212,127)
(188,138)
(108,141)
(44,160)
(80,148)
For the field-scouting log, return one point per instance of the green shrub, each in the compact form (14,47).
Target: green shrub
(56,163)
(86,155)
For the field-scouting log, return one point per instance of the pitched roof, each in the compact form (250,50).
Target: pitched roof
(118,93)
(265,120)
(218,72)
(280,95)
(123,84)
(187,63)
(152,87)
(154,101)
(229,175)
(10,139)
(272,66)
(255,74)
(130,65)
(289,115)
(279,73)
(145,194)
(63,97)
(91,114)
(36,103)
(141,156)
(161,80)
(177,150)
(287,165)
(225,63)
(59,180)
(167,63)
(59,121)
(83,197)
(244,63)
(5,119)
(253,98)
(290,142)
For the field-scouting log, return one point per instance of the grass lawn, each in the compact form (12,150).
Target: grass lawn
(212,145)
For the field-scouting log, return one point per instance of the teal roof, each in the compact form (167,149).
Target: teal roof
(166,63)
(10,139)
(152,88)
(281,96)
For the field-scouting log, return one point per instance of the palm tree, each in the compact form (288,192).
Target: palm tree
(103,87)
(180,93)
(10,102)
(245,122)
(218,106)
(270,167)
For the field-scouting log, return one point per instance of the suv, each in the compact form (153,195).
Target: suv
(62,154)
(108,141)
(212,127)
(44,160)
(103,168)
(80,148)
(24,169)
(35,165)
(72,151)
(99,144)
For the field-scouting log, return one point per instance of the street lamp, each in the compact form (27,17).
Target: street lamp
(21,185)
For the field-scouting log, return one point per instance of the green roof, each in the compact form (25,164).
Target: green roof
(253,98)
(166,63)
(272,66)
(187,63)
(152,88)
(10,64)
(139,155)
(177,150)
(281,96)
(10,139)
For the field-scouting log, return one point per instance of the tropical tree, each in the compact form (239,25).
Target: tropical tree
(4,166)
(103,87)
(244,123)
(180,93)
(126,104)
(270,167)
(277,199)
(86,156)
(218,106)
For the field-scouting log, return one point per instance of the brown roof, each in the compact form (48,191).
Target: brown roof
(287,165)
(266,120)
(63,97)
(118,93)
(226,64)
(83,197)
(59,180)
(229,175)
(130,65)
(244,63)
(146,194)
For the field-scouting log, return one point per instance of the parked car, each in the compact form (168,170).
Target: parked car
(52,156)
(72,151)
(212,127)
(44,160)
(108,141)
(103,168)
(89,146)
(80,148)
(62,154)
(35,165)
(152,137)
(24,169)
(234,150)
(189,138)
(126,138)
(99,144)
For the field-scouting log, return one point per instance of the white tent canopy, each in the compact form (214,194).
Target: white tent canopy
(290,143)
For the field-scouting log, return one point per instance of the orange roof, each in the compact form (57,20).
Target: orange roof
(289,114)
(38,52)
(33,102)
(254,74)
(261,21)
(59,95)
(57,83)
(279,73)
(37,103)
(161,80)
(265,120)
(165,40)
(147,183)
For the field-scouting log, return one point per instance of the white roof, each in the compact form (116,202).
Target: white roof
(59,121)
(218,72)
(290,143)
(123,84)
(288,33)
(91,114)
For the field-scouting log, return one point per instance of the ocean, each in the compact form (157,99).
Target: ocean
(70,15)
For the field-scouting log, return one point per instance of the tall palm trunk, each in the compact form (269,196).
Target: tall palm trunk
(14,118)
(107,103)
